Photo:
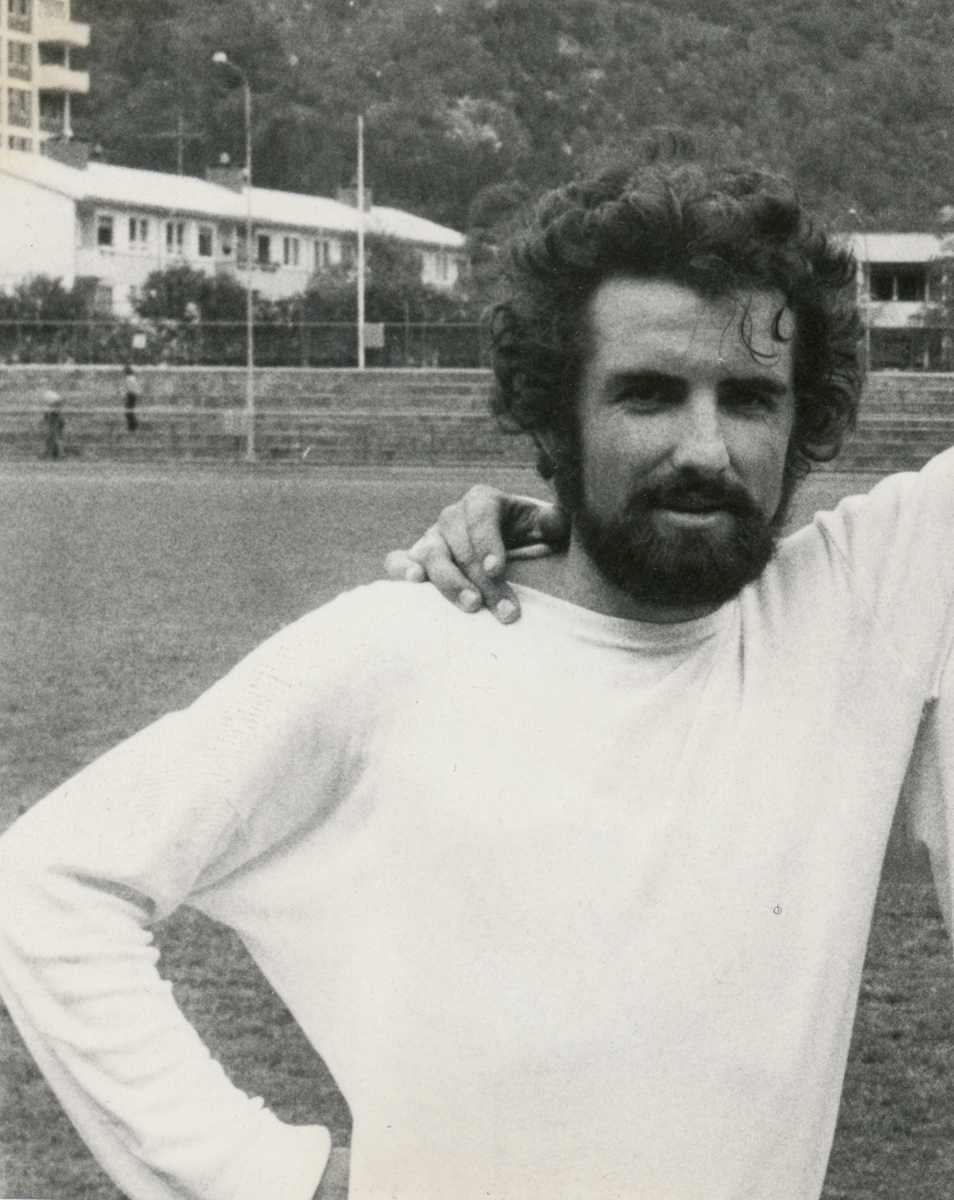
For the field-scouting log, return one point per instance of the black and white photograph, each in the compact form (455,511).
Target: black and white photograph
(476,600)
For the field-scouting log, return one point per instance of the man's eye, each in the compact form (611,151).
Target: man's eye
(753,399)
(648,390)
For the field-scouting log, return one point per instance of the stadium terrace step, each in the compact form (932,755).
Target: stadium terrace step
(374,417)
(360,437)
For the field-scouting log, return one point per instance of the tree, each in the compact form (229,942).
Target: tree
(854,100)
(38,321)
(393,291)
(41,298)
(183,294)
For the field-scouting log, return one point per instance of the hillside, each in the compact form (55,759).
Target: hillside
(472,104)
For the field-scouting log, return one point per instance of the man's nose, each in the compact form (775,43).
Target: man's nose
(701,441)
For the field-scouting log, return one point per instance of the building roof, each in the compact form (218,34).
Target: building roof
(294,208)
(393,222)
(188,195)
(895,247)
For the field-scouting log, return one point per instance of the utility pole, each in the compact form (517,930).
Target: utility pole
(361,263)
(249,294)
(180,135)
(223,60)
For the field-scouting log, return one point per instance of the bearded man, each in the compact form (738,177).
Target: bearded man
(575,906)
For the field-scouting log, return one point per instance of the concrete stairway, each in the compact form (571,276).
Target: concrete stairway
(318,417)
(376,417)
(883,443)
(905,420)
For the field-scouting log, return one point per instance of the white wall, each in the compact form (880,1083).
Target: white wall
(38,233)
(125,266)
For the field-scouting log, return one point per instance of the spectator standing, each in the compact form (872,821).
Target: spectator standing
(53,424)
(133,392)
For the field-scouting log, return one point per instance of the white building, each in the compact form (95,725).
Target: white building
(116,225)
(899,290)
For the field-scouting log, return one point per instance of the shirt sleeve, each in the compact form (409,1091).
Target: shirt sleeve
(897,546)
(928,792)
(82,874)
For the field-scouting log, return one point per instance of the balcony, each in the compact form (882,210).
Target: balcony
(52,25)
(895,314)
(52,77)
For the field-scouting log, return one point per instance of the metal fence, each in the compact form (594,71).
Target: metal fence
(223,343)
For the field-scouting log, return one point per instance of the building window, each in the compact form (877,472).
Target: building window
(290,251)
(327,253)
(52,112)
(19,108)
(138,233)
(226,240)
(205,241)
(438,268)
(104,231)
(264,244)
(20,143)
(898,281)
(175,237)
(18,59)
(18,15)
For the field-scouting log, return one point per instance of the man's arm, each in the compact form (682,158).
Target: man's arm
(464,554)
(82,875)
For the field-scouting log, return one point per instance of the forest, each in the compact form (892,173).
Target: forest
(473,106)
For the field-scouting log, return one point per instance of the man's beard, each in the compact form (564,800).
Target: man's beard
(668,566)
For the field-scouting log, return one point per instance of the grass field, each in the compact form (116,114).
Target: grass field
(124,592)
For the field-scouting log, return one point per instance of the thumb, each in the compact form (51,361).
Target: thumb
(553,526)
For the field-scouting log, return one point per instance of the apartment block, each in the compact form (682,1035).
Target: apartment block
(37,77)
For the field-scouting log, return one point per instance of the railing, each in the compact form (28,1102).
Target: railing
(223,343)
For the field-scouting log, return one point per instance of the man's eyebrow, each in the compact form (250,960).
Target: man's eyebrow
(630,374)
(767,383)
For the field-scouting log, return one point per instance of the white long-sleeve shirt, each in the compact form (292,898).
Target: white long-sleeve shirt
(574,907)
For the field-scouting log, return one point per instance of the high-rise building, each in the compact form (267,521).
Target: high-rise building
(36,75)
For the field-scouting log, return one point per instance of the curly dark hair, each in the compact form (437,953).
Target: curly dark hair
(715,231)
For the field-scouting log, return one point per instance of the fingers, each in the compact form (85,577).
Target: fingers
(535,550)
(477,522)
(465,554)
(430,559)
(479,566)
(400,565)
(552,526)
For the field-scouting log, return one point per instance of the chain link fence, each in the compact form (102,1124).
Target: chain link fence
(224,343)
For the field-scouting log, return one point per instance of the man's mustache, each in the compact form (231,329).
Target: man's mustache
(690,490)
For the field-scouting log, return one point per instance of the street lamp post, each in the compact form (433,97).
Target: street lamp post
(361,262)
(222,59)
(865,285)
